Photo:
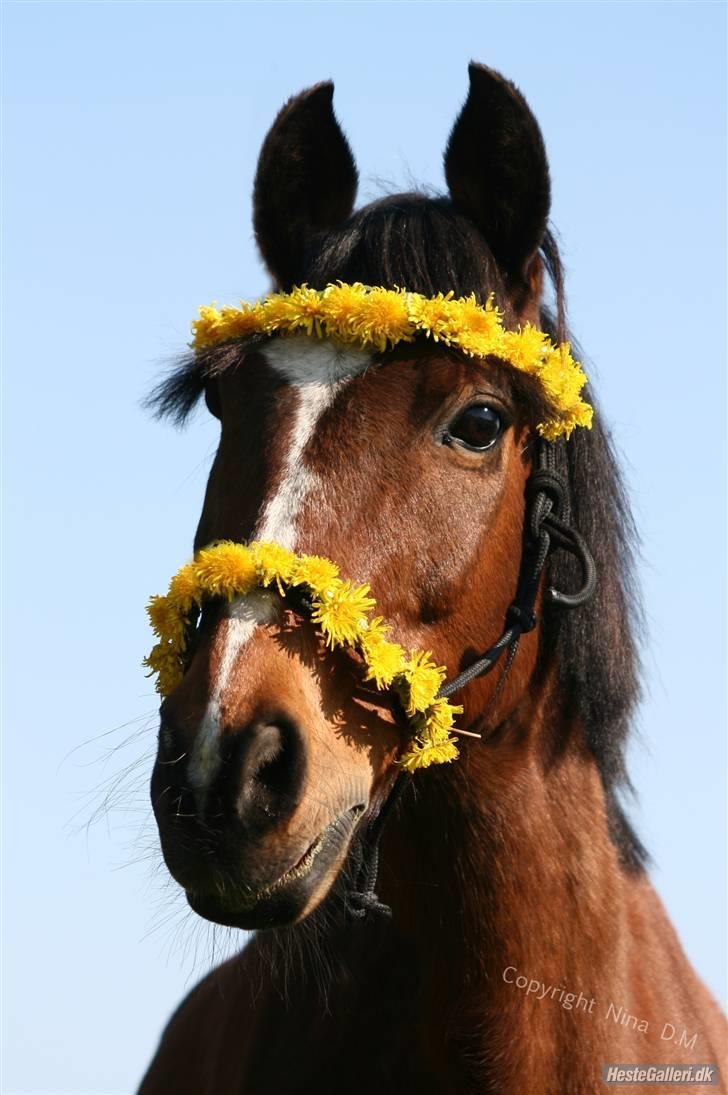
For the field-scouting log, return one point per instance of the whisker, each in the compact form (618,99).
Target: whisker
(182,756)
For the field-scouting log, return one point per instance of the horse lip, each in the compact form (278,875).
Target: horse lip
(303,865)
(248,901)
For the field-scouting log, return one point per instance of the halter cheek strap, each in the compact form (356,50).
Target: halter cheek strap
(547,528)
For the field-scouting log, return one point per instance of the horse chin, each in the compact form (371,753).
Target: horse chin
(290,897)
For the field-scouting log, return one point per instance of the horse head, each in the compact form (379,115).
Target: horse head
(405,464)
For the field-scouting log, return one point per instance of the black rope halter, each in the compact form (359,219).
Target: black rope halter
(547,528)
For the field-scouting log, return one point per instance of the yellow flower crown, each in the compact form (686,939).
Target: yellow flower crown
(342,612)
(382,318)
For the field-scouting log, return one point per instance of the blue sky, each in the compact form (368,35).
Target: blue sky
(131,134)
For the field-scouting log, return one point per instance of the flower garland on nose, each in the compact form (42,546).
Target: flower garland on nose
(380,319)
(341,611)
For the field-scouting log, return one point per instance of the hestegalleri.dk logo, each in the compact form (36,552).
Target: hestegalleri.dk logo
(661,1074)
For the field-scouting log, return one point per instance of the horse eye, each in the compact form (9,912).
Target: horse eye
(478,427)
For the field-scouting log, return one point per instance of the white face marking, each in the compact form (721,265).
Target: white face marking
(244,615)
(318,370)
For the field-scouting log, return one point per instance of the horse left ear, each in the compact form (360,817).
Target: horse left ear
(305,182)
(497,171)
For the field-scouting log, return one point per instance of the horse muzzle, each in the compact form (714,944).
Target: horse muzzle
(247,846)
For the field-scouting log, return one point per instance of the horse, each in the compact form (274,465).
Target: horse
(526,950)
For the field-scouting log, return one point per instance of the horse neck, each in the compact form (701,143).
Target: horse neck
(503,860)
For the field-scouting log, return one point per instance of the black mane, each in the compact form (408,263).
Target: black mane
(424,244)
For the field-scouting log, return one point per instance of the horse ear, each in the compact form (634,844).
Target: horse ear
(305,182)
(497,171)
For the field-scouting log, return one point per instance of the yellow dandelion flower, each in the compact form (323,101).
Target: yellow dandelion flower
(562,379)
(479,329)
(553,428)
(206,328)
(583,415)
(273,563)
(422,681)
(432,742)
(279,312)
(226,570)
(422,755)
(525,349)
(165,661)
(382,319)
(437,318)
(440,718)
(184,589)
(309,308)
(342,613)
(384,660)
(481,319)
(315,572)
(343,303)
(378,628)
(167,621)
(238,322)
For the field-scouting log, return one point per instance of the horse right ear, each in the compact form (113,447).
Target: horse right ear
(305,182)
(497,171)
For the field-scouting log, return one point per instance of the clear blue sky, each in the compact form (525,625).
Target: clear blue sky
(131,134)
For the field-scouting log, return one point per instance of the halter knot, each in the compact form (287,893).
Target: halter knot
(525,618)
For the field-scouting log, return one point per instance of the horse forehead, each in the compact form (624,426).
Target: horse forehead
(314,372)
(315,363)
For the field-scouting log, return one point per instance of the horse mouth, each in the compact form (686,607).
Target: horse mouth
(291,895)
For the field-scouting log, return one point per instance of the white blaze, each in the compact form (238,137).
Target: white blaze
(318,370)
(244,615)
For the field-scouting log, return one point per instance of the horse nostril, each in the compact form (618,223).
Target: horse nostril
(274,774)
(271,771)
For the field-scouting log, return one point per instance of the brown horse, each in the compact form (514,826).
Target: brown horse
(527,948)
